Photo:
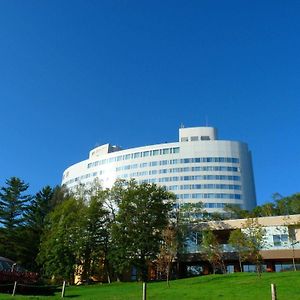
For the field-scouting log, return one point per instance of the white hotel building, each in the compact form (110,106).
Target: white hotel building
(198,167)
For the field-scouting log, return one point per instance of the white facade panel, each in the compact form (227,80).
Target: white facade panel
(197,168)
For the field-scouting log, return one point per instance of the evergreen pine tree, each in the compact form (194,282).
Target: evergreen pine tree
(13,203)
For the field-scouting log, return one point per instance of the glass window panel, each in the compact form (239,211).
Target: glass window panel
(176,150)
(155,152)
(276,240)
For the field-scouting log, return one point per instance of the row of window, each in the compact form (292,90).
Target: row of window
(82,177)
(200,169)
(180,170)
(182,178)
(134,156)
(214,205)
(176,170)
(209,196)
(204,186)
(279,267)
(199,177)
(164,162)
(195,138)
(194,235)
(171,179)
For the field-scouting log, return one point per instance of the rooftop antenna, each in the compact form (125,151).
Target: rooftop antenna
(206,120)
(181,125)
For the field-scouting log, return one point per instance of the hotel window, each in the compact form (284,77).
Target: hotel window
(166,151)
(155,152)
(205,138)
(137,155)
(280,239)
(194,138)
(143,165)
(176,150)
(184,139)
(146,153)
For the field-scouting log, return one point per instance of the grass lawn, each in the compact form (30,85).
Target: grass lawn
(239,286)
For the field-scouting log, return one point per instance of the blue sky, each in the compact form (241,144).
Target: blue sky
(76,74)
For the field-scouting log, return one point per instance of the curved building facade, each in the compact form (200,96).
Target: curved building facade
(197,168)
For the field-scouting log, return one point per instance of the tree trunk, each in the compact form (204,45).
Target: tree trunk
(240,263)
(168,274)
(108,277)
(223,267)
(144,269)
(106,268)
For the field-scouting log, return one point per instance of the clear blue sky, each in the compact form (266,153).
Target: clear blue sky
(75,74)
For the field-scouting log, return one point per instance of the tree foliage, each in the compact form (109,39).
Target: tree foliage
(61,241)
(212,251)
(168,251)
(254,233)
(94,242)
(238,240)
(137,233)
(13,204)
(279,207)
(94,231)
(188,217)
(33,229)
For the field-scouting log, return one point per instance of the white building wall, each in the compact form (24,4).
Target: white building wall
(197,168)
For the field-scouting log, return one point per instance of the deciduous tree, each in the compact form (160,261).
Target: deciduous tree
(168,251)
(96,233)
(255,241)
(137,233)
(212,251)
(239,241)
(62,239)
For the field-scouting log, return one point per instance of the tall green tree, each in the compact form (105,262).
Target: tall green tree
(238,240)
(13,203)
(288,205)
(38,209)
(255,241)
(265,210)
(35,217)
(212,251)
(61,242)
(188,217)
(280,206)
(236,212)
(168,251)
(186,220)
(60,193)
(96,234)
(142,215)
(76,235)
